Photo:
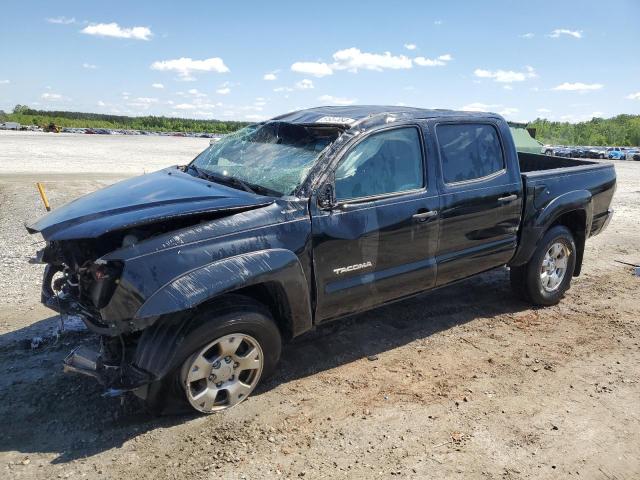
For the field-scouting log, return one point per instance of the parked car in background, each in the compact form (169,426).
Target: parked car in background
(616,153)
(633,154)
(596,152)
(547,149)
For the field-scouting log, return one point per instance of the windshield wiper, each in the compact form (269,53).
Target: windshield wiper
(233,181)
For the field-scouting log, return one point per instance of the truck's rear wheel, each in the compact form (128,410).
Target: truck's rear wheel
(547,276)
(236,345)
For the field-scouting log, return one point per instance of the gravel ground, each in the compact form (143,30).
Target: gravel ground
(464,382)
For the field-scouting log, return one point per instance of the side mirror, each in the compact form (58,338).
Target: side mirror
(325,197)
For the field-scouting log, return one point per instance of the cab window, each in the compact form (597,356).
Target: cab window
(383,163)
(469,151)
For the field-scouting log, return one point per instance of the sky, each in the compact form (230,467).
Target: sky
(252,60)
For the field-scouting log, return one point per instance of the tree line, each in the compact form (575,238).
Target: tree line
(621,130)
(28,116)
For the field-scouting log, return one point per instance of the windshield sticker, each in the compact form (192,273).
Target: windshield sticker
(340,120)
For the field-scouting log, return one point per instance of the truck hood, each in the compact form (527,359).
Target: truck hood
(146,199)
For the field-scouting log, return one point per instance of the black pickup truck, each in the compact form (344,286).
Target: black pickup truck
(193,276)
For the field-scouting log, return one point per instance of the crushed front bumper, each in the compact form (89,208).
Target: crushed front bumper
(118,379)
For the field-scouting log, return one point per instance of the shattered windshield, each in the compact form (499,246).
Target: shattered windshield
(274,157)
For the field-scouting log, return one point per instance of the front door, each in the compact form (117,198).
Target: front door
(379,242)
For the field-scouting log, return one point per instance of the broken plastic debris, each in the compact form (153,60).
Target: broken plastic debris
(71,323)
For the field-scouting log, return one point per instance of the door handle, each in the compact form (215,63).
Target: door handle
(508,198)
(422,216)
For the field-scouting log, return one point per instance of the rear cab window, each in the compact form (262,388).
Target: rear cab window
(469,151)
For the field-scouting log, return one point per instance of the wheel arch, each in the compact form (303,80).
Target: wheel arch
(273,277)
(576,222)
(574,210)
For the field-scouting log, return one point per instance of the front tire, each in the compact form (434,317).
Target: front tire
(547,276)
(235,345)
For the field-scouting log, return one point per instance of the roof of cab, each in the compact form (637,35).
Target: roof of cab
(349,115)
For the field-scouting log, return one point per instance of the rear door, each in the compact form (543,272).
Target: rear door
(379,243)
(481,197)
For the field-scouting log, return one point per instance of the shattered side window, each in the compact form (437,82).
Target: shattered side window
(385,162)
(274,155)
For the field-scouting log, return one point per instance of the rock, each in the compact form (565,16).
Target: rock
(372,358)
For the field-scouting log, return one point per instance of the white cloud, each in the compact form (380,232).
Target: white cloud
(631,96)
(186,66)
(506,76)
(283,89)
(410,46)
(484,107)
(223,91)
(185,106)
(142,102)
(436,62)
(254,117)
(527,35)
(317,69)
(53,97)
(194,92)
(269,76)
(438,22)
(508,111)
(61,20)
(5,82)
(101,103)
(558,32)
(575,118)
(330,99)
(89,66)
(353,59)
(304,84)
(543,110)
(507,87)
(116,31)
(157,85)
(578,87)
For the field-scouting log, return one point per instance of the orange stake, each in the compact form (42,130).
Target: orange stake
(43,196)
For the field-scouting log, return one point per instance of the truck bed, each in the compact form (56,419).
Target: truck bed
(532,162)
(550,182)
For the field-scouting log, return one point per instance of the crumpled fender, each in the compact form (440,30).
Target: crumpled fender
(278,266)
(535,228)
(567,202)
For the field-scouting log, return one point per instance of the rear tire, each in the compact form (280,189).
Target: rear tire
(234,322)
(547,276)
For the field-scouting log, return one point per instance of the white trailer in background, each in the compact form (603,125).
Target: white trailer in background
(10,126)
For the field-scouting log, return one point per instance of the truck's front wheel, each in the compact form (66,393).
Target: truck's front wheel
(547,276)
(236,344)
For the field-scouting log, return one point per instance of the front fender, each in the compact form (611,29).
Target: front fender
(278,266)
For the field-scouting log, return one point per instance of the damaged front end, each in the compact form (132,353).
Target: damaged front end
(108,252)
(77,282)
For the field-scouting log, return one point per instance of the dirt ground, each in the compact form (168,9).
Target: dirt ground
(463,382)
